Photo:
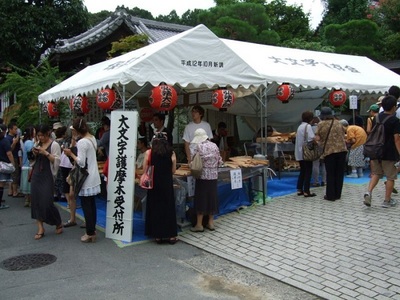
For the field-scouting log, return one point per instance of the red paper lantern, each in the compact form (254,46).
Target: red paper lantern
(80,104)
(337,98)
(163,97)
(285,92)
(51,109)
(146,114)
(222,99)
(108,99)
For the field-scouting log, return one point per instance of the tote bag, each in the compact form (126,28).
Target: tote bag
(311,151)
(196,167)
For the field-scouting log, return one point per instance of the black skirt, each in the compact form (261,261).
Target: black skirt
(206,197)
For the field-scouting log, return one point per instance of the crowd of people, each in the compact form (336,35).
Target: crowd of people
(342,146)
(44,158)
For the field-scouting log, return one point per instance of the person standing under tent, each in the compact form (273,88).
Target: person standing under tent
(206,188)
(160,206)
(197,122)
(303,131)
(331,137)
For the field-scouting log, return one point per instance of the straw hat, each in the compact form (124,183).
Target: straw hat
(200,135)
(379,102)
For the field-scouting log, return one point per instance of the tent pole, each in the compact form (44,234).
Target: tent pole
(123,97)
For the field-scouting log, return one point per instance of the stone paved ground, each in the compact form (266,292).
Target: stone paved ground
(335,250)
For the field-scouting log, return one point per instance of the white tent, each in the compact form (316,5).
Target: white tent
(315,70)
(313,74)
(193,60)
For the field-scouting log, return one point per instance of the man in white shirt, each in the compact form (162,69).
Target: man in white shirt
(197,122)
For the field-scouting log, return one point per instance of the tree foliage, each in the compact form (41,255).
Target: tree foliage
(128,44)
(29,28)
(343,11)
(356,37)
(28,85)
(240,21)
(289,21)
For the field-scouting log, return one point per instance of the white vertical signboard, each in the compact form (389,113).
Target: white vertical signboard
(121,175)
(353,101)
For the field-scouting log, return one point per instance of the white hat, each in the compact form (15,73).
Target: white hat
(200,135)
(379,102)
(57,125)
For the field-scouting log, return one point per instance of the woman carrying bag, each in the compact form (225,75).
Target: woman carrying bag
(160,206)
(91,186)
(331,134)
(304,135)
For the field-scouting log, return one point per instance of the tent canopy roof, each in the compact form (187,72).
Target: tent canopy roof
(315,70)
(192,60)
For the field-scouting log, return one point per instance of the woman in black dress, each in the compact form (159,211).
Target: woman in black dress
(44,170)
(160,206)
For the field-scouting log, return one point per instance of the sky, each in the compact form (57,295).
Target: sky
(162,7)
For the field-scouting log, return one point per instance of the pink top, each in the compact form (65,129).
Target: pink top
(211,158)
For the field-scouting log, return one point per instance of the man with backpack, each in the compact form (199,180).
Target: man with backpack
(384,164)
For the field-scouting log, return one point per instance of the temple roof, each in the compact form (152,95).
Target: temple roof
(118,25)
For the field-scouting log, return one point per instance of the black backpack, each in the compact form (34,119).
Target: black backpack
(373,147)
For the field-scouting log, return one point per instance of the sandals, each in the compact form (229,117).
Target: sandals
(300,193)
(173,240)
(69,224)
(158,241)
(309,195)
(38,236)
(211,228)
(59,229)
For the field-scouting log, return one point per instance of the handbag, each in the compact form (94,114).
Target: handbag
(196,166)
(311,151)
(6,168)
(146,180)
(76,177)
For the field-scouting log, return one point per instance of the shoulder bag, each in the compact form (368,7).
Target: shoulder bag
(77,176)
(196,166)
(146,180)
(311,151)
(6,168)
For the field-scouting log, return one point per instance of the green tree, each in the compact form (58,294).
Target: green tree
(240,21)
(28,85)
(356,37)
(342,11)
(28,28)
(97,18)
(298,43)
(172,17)
(289,21)
(127,44)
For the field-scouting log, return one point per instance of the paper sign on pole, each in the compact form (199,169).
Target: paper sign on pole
(353,101)
(121,175)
